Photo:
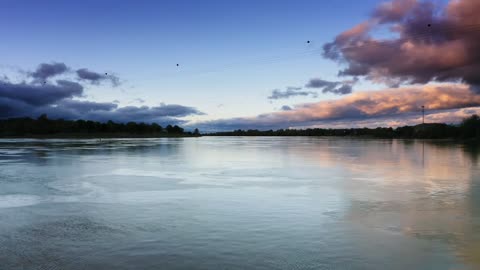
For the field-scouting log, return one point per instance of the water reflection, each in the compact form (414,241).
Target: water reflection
(422,189)
(196,203)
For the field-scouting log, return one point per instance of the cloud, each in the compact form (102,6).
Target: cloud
(453,116)
(75,109)
(163,114)
(35,94)
(337,88)
(393,11)
(96,78)
(57,100)
(286,108)
(88,106)
(97,111)
(290,92)
(399,103)
(430,43)
(45,71)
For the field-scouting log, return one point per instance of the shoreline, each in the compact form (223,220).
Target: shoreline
(146,136)
(450,139)
(99,136)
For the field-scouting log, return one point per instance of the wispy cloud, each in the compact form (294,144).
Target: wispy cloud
(96,78)
(291,92)
(337,88)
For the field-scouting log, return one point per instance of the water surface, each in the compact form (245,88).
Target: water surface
(238,203)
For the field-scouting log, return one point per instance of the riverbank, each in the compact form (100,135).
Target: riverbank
(97,136)
(469,129)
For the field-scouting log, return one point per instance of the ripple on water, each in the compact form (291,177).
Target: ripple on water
(47,244)
(18,200)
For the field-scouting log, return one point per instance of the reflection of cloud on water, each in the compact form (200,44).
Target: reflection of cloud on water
(419,189)
(396,163)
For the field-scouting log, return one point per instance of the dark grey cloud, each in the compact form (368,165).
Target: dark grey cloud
(319,83)
(96,78)
(13,108)
(35,94)
(286,108)
(337,88)
(290,92)
(57,100)
(97,111)
(163,113)
(430,43)
(342,90)
(73,109)
(45,70)
(88,106)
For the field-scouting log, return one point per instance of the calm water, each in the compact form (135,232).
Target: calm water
(238,203)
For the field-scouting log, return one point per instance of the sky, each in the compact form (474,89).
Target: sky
(222,65)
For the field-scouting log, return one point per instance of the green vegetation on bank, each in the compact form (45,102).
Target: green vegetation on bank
(44,127)
(469,128)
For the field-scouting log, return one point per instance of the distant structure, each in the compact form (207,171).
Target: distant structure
(423,114)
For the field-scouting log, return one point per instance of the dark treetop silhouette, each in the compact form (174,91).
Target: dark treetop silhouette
(44,127)
(469,128)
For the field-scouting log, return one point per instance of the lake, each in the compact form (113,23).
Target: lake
(239,203)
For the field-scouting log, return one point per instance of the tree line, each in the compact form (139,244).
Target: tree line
(44,126)
(468,128)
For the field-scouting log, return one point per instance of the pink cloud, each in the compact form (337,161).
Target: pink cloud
(433,43)
(390,107)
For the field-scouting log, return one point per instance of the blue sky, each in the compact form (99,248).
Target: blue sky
(231,55)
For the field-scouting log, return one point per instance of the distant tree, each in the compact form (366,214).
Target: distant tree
(44,125)
(156,128)
(196,132)
(470,127)
(131,127)
(177,130)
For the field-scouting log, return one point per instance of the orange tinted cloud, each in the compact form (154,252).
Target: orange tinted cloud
(391,107)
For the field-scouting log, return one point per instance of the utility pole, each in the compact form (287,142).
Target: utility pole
(423,114)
